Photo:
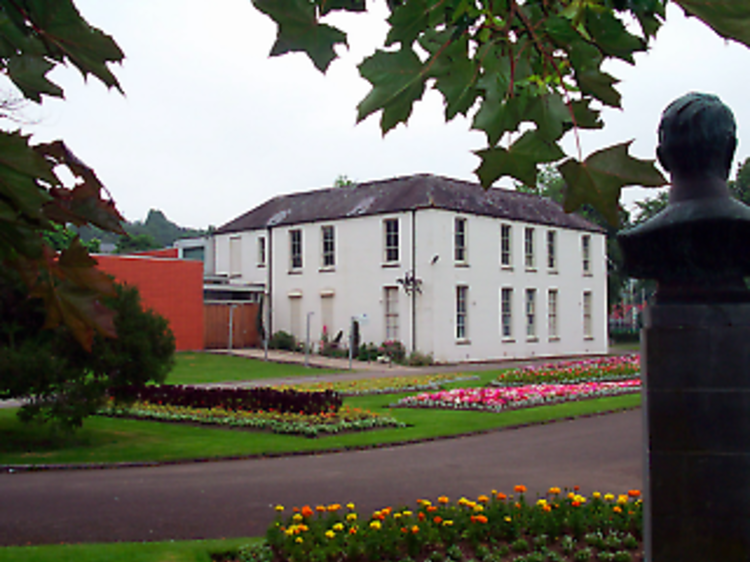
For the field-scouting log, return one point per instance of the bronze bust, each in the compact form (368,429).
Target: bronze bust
(696,248)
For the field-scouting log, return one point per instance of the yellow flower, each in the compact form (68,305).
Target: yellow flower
(608,497)
(350,505)
(622,498)
(299,540)
(351,517)
(541,503)
(447,523)
(407,513)
(279,508)
(596,495)
(297,517)
(507,518)
(334,507)
(397,516)
(330,534)
(375,525)
(478,507)
(338,527)
(554,490)
(290,531)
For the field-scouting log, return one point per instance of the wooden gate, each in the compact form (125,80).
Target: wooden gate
(244,319)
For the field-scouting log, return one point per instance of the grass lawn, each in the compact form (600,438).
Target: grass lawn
(194,368)
(172,551)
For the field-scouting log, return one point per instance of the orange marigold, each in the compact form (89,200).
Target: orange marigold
(520,489)
(307,511)
(443,499)
(501,496)
(437,519)
(634,493)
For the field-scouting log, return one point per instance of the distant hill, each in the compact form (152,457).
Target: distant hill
(163,231)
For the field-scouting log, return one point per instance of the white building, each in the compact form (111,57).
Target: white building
(442,265)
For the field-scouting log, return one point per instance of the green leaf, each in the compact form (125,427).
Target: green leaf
(28,72)
(455,77)
(550,114)
(89,49)
(728,18)
(300,31)
(599,179)
(497,117)
(20,166)
(398,80)
(520,160)
(600,85)
(327,6)
(407,22)
(585,117)
(610,35)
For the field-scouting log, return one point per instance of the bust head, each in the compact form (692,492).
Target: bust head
(697,136)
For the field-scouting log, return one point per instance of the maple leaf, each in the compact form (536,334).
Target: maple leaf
(728,18)
(300,30)
(599,179)
(398,80)
(519,160)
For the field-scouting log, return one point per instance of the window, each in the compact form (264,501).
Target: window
(531,313)
(235,256)
(329,246)
(390,227)
(552,330)
(505,245)
(459,247)
(461,311)
(551,249)
(588,329)
(261,251)
(586,253)
(295,249)
(528,248)
(391,313)
(506,312)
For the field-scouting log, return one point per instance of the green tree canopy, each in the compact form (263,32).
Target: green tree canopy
(527,73)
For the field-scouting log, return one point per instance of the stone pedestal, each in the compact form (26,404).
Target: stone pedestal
(696,361)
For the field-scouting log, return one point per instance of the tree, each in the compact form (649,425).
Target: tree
(343,180)
(530,70)
(137,243)
(37,36)
(59,380)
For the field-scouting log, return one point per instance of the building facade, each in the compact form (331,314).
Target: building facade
(441,265)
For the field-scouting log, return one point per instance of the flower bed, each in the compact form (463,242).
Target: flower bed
(309,425)
(560,526)
(381,385)
(499,399)
(245,399)
(589,370)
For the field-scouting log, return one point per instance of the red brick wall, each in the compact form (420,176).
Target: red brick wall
(171,287)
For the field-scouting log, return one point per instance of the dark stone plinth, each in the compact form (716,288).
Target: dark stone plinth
(697,404)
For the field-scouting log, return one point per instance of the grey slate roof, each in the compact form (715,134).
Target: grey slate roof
(421,191)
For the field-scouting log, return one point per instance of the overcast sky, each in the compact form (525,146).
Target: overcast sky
(210,126)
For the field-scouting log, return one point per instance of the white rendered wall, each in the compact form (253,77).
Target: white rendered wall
(356,284)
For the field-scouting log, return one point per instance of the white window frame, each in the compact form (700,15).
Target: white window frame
(529,257)
(506,313)
(390,302)
(391,240)
(530,301)
(506,245)
(328,246)
(552,250)
(261,251)
(460,233)
(553,304)
(586,254)
(462,312)
(295,249)
(235,256)
(588,318)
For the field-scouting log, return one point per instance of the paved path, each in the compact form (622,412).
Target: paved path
(234,498)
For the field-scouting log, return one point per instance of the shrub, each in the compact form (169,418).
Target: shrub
(368,352)
(283,340)
(625,336)
(394,350)
(417,359)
